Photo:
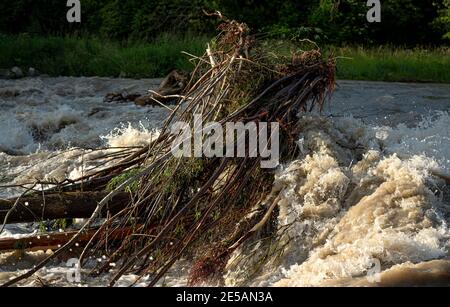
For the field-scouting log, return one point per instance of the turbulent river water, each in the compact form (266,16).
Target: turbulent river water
(366,203)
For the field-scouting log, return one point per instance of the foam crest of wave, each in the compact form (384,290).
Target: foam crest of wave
(351,201)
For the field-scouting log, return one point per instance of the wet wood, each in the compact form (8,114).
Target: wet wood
(36,207)
(47,241)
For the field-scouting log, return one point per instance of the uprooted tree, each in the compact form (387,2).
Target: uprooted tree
(204,208)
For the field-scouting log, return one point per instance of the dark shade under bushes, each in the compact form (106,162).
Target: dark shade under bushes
(405,22)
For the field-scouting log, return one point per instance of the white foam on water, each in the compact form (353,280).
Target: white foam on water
(430,138)
(70,163)
(128,136)
(13,136)
(344,215)
(48,114)
(49,126)
(357,195)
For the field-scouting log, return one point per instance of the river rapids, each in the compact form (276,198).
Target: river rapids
(365,203)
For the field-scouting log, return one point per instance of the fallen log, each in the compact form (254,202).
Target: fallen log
(173,84)
(440,174)
(47,241)
(37,207)
(218,191)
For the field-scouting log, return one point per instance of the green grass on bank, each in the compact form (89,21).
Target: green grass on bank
(394,64)
(68,56)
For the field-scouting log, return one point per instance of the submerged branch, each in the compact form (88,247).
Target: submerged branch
(65,205)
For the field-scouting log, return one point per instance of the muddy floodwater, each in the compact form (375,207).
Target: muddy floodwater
(365,201)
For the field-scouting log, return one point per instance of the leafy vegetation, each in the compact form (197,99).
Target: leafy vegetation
(72,56)
(129,38)
(408,22)
(101,57)
(119,179)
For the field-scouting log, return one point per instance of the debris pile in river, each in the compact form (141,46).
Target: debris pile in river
(167,93)
(200,208)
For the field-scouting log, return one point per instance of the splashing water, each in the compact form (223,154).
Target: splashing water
(360,206)
(357,198)
(50,126)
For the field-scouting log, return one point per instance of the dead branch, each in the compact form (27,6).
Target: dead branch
(54,241)
(65,205)
(236,80)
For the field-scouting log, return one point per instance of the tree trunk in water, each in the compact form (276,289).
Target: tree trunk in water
(55,240)
(36,207)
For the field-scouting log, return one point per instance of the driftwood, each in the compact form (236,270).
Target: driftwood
(36,207)
(236,81)
(121,97)
(443,176)
(55,240)
(173,84)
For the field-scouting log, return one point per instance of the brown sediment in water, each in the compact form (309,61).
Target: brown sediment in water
(435,273)
(344,217)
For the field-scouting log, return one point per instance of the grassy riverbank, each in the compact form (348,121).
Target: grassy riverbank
(68,56)
(394,64)
(71,56)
